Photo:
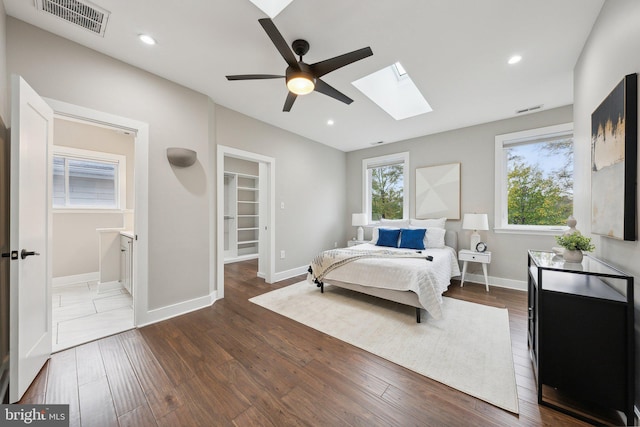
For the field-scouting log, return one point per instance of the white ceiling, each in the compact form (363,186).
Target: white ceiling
(455,51)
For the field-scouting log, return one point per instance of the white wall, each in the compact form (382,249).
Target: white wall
(240,166)
(473,147)
(75,241)
(4,78)
(178,237)
(310,181)
(610,53)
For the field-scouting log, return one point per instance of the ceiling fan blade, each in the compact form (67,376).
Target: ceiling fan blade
(279,42)
(328,90)
(291,97)
(321,68)
(254,77)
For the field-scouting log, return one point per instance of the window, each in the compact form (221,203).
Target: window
(534,180)
(386,187)
(88,179)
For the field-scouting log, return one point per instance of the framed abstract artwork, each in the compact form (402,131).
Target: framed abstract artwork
(614,140)
(438,191)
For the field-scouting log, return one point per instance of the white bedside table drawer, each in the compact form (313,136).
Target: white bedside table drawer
(467,255)
(483,258)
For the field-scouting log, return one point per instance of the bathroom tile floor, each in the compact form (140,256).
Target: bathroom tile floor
(81,314)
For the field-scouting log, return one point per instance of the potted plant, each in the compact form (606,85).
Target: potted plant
(574,244)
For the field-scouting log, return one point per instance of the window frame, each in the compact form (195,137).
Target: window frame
(95,156)
(501,221)
(386,160)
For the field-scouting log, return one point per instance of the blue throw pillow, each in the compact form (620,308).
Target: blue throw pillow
(412,238)
(388,237)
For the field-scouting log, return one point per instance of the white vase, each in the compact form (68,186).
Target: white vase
(572,256)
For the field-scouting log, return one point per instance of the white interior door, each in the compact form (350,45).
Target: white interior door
(30,219)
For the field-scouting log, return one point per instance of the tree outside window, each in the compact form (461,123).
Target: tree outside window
(540,182)
(387,188)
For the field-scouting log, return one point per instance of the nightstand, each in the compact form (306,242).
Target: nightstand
(467,256)
(355,242)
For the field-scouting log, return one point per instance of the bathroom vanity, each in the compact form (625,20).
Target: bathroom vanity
(126,260)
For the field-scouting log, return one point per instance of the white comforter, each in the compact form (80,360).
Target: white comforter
(428,279)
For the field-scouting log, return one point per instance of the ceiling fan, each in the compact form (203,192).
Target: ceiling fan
(302,78)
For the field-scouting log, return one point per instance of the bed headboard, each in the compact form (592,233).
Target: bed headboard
(451,239)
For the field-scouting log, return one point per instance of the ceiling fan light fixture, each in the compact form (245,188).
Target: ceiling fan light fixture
(301,84)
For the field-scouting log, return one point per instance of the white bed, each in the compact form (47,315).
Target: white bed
(412,281)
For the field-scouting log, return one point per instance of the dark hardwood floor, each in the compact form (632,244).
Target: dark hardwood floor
(236,363)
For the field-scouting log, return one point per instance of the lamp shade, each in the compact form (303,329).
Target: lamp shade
(475,221)
(358,219)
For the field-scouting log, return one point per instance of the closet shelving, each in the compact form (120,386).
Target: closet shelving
(242,209)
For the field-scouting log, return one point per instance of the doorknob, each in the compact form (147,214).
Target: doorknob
(24,253)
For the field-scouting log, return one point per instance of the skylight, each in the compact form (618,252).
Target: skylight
(394,91)
(271,7)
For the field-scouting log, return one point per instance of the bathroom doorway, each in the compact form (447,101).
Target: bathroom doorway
(92,231)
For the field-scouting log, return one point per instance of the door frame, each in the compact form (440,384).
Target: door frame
(140,130)
(268,254)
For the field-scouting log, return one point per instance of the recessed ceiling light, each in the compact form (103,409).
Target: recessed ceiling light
(330,122)
(515,59)
(147,39)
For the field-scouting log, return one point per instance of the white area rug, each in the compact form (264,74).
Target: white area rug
(469,349)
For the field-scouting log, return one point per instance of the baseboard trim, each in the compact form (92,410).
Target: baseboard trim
(75,278)
(288,274)
(174,310)
(498,282)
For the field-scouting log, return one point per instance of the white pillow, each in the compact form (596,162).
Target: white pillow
(395,223)
(433,238)
(426,223)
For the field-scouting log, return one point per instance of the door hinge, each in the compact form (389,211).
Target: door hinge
(13,255)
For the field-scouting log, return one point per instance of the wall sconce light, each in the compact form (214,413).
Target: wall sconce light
(182,157)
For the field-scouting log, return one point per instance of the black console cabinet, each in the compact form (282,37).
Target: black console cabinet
(581,331)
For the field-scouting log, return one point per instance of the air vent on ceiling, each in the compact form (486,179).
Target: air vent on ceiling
(81,13)
(526,110)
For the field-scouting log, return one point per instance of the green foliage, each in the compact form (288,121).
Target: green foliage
(536,199)
(387,192)
(575,241)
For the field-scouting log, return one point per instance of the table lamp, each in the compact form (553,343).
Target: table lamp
(358,220)
(475,222)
